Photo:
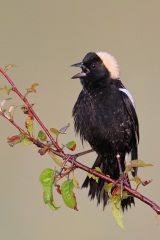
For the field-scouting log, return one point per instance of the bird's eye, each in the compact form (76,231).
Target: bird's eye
(93,66)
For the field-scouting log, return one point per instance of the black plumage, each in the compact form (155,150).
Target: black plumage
(105,116)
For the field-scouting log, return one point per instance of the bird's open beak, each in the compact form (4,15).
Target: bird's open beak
(81,74)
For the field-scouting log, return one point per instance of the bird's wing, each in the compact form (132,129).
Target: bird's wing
(129,95)
(130,105)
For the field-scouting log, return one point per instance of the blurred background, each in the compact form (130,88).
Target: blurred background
(43,38)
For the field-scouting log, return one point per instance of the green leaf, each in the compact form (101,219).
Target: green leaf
(75,182)
(47,194)
(108,187)
(34,85)
(4,110)
(29,125)
(31,89)
(48,179)
(63,129)
(55,131)
(71,145)
(90,175)
(9,66)
(98,169)
(115,198)
(137,180)
(139,163)
(129,168)
(42,136)
(117,213)
(8,89)
(21,138)
(25,141)
(68,195)
(55,158)
(125,195)
(53,205)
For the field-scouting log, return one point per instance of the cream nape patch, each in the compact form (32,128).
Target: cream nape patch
(110,63)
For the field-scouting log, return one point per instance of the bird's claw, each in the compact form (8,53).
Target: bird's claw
(121,182)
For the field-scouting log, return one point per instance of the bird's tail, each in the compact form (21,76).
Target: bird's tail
(134,156)
(109,166)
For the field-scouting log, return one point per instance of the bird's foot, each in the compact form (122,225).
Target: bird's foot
(67,158)
(121,182)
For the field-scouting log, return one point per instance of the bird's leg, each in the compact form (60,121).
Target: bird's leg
(67,158)
(120,173)
(119,164)
(121,179)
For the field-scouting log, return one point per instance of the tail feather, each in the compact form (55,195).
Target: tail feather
(108,166)
(134,156)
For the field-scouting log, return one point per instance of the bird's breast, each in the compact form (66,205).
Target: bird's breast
(101,119)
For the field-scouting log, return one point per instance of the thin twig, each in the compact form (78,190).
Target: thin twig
(24,99)
(66,173)
(83,153)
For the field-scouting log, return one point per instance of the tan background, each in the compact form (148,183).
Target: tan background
(44,38)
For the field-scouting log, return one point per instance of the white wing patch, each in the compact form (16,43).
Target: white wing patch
(128,94)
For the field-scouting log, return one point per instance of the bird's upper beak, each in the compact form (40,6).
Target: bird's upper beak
(81,74)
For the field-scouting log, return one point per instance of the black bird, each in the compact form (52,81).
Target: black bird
(105,116)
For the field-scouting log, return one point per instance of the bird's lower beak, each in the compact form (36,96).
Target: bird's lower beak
(81,74)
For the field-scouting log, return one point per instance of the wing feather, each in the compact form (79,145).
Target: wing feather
(130,105)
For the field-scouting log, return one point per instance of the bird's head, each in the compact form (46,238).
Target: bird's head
(97,67)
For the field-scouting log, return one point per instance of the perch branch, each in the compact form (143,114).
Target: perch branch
(61,154)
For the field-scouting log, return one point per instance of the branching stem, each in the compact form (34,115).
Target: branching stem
(59,151)
(24,99)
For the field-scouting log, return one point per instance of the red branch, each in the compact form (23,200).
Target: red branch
(131,191)
(24,99)
(72,158)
